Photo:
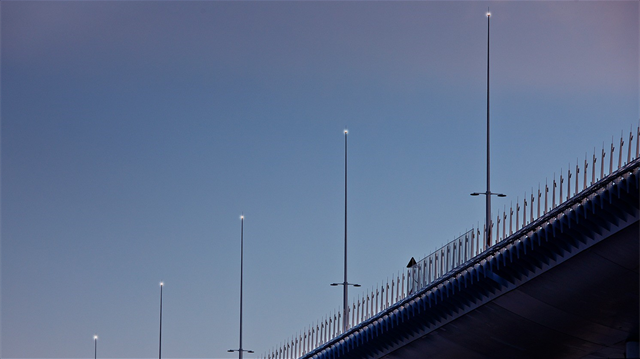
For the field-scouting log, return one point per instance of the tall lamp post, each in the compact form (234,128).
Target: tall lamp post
(95,347)
(488,192)
(345,283)
(240,350)
(160,341)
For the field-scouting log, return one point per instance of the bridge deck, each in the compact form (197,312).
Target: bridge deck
(565,286)
(586,307)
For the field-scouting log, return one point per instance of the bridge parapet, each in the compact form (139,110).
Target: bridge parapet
(469,250)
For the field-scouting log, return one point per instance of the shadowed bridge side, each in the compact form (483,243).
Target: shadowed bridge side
(465,280)
(565,286)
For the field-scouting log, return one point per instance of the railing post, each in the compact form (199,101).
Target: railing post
(517,214)
(353,316)
(371,312)
(466,247)
(424,274)
(524,210)
(472,242)
(364,310)
(553,196)
(546,196)
(611,157)
(323,331)
(593,167)
(392,287)
(511,219)
(629,146)
(586,166)
(638,142)
(532,201)
(577,175)
(484,237)
(539,196)
(602,162)
(327,329)
(620,152)
(366,314)
(561,182)
(569,182)
(386,301)
(504,222)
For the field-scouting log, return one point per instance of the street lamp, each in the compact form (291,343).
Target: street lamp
(160,341)
(488,192)
(345,283)
(240,350)
(95,346)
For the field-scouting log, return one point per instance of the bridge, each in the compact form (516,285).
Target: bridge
(563,283)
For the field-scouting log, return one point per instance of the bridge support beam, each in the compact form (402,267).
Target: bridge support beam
(632,350)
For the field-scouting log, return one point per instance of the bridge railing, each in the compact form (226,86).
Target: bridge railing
(569,183)
(374,301)
(463,248)
(442,261)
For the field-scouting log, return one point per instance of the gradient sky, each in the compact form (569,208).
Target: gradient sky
(134,134)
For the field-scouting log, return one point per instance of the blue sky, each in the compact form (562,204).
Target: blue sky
(134,134)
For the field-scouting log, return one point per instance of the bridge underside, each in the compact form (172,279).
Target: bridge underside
(586,307)
(564,286)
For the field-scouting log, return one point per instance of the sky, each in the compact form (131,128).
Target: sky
(135,134)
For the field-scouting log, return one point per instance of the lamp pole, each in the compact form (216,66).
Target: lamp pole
(240,350)
(160,341)
(95,347)
(488,192)
(345,283)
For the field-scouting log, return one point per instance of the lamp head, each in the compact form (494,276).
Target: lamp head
(475,194)
(161,284)
(95,337)
(346,131)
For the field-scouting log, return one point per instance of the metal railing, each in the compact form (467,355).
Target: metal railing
(462,249)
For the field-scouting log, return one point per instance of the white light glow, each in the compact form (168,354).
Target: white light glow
(242,216)
(488,14)
(95,337)
(346,131)
(161,284)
